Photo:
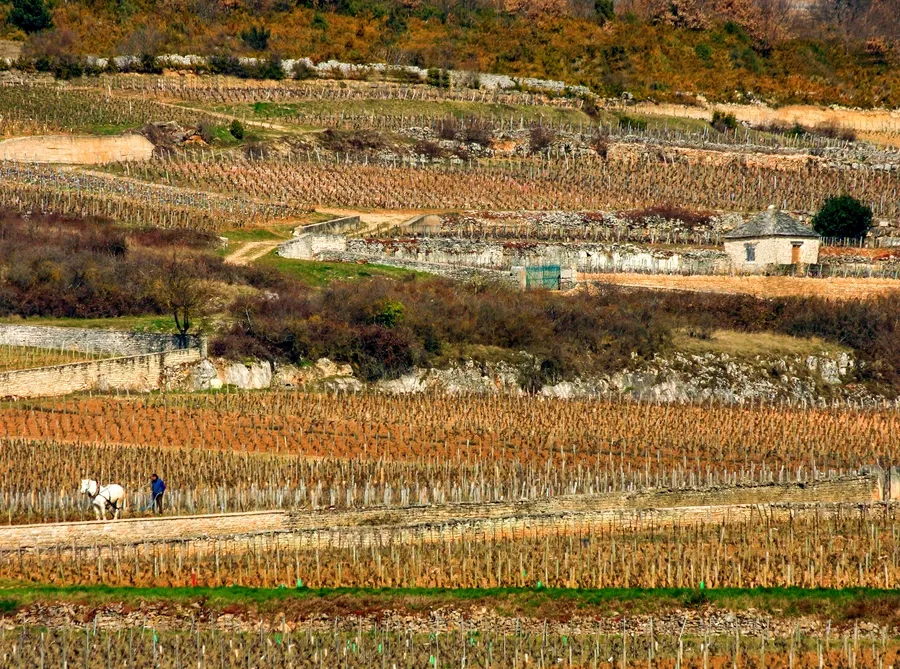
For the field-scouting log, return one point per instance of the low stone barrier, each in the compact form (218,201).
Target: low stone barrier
(84,340)
(336,226)
(139,373)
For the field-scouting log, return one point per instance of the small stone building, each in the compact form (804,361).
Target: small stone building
(771,238)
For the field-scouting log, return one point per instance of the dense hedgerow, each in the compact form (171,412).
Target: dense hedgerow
(91,268)
(568,335)
(384,327)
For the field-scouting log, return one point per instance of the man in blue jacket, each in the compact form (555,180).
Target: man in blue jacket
(157,487)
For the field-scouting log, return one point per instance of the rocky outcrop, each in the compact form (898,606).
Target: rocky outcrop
(255,375)
(677,377)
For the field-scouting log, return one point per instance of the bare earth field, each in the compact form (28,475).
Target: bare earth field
(877,125)
(758,286)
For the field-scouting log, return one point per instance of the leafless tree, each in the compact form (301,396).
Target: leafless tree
(184,294)
(851,20)
(776,18)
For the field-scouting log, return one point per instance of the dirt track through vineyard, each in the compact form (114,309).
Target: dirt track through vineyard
(441,522)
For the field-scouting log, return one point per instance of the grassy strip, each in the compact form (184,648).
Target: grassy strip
(317,274)
(837,605)
(148,323)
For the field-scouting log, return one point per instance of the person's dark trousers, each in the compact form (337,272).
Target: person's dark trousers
(158,501)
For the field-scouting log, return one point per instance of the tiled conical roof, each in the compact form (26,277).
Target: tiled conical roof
(772,223)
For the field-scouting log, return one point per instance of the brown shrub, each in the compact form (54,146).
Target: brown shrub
(448,128)
(669,212)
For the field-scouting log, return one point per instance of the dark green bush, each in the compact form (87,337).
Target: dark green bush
(304,71)
(704,53)
(843,216)
(438,78)
(605,10)
(67,67)
(236,129)
(724,122)
(232,66)
(228,65)
(256,38)
(319,22)
(30,15)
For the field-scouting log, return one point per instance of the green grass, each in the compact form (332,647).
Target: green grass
(151,323)
(751,344)
(259,234)
(275,232)
(849,604)
(106,129)
(317,274)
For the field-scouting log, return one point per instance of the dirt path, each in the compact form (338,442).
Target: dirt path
(228,117)
(248,252)
(439,522)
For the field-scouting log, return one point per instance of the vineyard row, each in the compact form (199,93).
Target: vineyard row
(355,643)
(640,443)
(828,547)
(582,184)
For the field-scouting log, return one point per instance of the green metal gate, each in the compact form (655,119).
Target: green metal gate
(542,276)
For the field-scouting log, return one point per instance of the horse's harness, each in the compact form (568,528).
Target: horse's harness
(109,503)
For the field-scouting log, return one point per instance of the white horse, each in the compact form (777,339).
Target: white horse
(102,497)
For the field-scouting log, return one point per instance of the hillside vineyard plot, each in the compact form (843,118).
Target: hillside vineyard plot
(358,643)
(577,184)
(831,546)
(247,451)
(60,191)
(385,105)
(55,109)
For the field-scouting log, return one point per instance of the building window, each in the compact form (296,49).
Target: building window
(751,252)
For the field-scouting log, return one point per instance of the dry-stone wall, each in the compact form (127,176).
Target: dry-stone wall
(430,254)
(499,255)
(335,226)
(112,342)
(141,362)
(138,373)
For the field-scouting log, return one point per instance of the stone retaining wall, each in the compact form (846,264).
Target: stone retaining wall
(499,255)
(308,246)
(141,373)
(112,342)
(336,226)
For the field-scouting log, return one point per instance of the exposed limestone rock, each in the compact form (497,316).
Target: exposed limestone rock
(206,377)
(679,377)
(342,384)
(249,377)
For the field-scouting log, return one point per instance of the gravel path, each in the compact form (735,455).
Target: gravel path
(250,251)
